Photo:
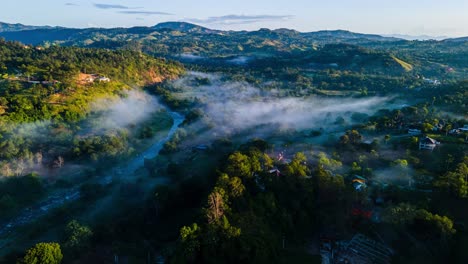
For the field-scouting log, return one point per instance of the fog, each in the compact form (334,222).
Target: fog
(242,60)
(396,176)
(236,106)
(122,112)
(190,57)
(46,138)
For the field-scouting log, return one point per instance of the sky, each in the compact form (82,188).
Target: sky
(409,17)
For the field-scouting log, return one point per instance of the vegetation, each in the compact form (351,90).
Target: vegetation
(259,189)
(47,253)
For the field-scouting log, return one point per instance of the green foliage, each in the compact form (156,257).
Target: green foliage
(46,105)
(298,166)
(328,163)
(455,182)
(77,238)
(43,253)
(442,226)
(419,220)
(190,239)
(13,194)
(400,215)
(232,184)
(239,165)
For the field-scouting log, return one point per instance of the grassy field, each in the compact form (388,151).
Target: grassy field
(404,64)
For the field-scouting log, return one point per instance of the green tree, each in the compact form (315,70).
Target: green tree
(387,138)
(400,215)
(239,165)
(190,240)
(298,166)
(233,185)
(44,253)
(77,237)
(328,163)
(455,182)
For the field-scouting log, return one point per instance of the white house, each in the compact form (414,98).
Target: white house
(428,143)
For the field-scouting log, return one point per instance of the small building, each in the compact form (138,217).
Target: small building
(414,131)
(103,79)
(200,148)
(275,171)
(464,128)
(359,183)
(431,81)
(428,143)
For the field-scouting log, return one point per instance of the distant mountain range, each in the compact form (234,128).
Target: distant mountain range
(192,28)
(5,27)
(419,37)
(72,36)
(184,27)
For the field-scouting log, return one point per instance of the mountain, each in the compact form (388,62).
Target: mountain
(462,39)
(347,35)
(6,27)
(184,27)
(419,37)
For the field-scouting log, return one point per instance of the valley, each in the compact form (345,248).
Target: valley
(178,143)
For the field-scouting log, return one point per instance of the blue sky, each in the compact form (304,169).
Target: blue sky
(412,17)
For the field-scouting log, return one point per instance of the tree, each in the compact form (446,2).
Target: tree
(428,223)
(387,138)
(328,163)
(239,165)
(190,240)
(216,205)
(38,157)
(351,137)
(456,182)
(77,237)
(298,166)
(447,128)
(401,214)
(59,162)
(233,185)
(44,253)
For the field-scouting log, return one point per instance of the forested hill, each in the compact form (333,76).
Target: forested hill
(54,90)
(64,64)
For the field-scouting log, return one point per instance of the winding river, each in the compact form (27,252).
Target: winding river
(55,200)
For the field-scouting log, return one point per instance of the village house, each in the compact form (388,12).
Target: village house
(428,143)
(90,78)
(414,131)
(103,79)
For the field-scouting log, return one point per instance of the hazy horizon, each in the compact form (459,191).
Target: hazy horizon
(430,18)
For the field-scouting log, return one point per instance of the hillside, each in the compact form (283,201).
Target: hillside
(58,101)
(6,27)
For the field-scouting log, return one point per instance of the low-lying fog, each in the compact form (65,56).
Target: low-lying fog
(106,116)
(133,108)
(237,106)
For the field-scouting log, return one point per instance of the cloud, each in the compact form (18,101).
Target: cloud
(71,4)
(239,19)
(111,6)
(146,13)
